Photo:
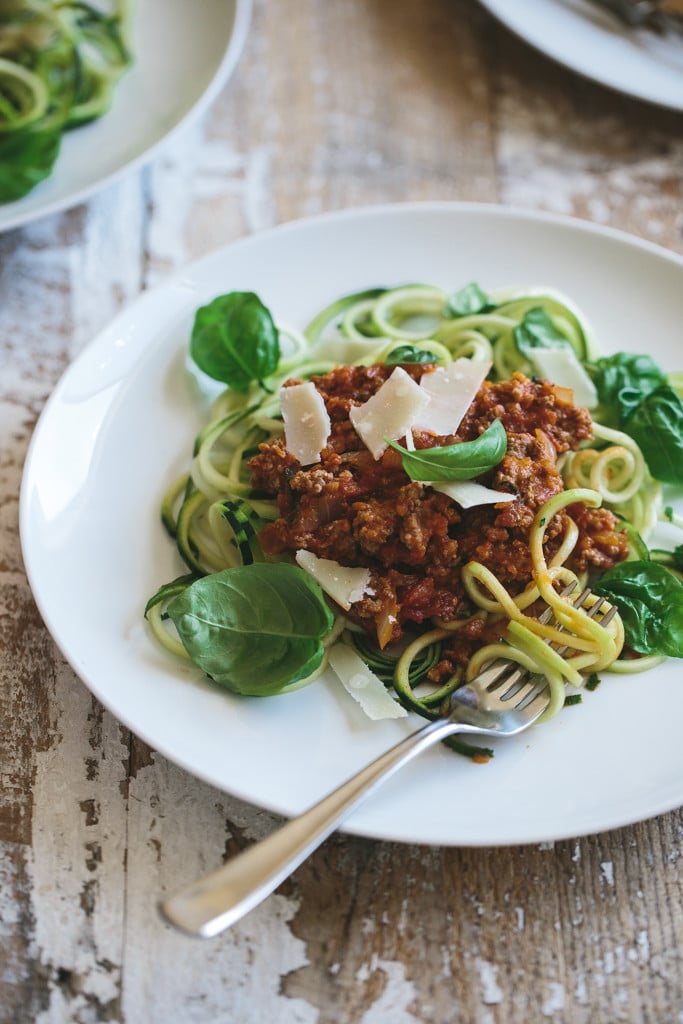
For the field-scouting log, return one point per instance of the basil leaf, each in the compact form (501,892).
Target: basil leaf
(537,330)
(468,301)
(409,354)
(254,629)
(636,398)
(677,557)
(461,461)
(622,381)
(235,340)
(671,558)
(26,159)
(650,602)
(623,370)
(656,426)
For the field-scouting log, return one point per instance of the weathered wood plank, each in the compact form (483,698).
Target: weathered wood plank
(62,819)
(573,147)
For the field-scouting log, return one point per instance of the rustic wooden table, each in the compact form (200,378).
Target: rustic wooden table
(333,104)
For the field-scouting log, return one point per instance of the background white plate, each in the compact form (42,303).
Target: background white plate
(589,40)
(119,427)
(183,52)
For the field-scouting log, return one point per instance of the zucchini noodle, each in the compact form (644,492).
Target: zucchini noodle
(215,516)
(619,473)
(60,61)
(590,646)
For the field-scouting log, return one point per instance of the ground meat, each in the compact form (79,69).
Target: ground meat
(366,512)
(598,546)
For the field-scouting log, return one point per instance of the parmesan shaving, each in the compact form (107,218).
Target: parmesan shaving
(451,389)
(562,366)
(390,412)
(468,493)
(363,685)
(344,584)
(307,424)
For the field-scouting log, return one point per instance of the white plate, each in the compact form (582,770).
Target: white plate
(586,39)
(120,426)
(183,53)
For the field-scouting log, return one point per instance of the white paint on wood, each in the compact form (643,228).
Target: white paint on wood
(551,160)
(204,183)
(555,999)
(491,992)
(77,864)
(607,871)
(397,997)
(112,226)
(178,829)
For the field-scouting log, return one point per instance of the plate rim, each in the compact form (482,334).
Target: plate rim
(501,12)
(191,273)
(223,72)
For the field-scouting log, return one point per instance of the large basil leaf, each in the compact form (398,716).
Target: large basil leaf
(656,425)
(254,629)
(461,461)
(650,602)
(235,340)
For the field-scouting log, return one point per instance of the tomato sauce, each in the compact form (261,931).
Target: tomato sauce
(365,512)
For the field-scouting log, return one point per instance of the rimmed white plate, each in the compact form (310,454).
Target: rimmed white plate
(183,54)
(119,427)
(589,40)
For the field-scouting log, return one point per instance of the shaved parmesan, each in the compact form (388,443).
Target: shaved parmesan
(307,424)
(390,412)
(343,583)
(562,366)
(451,390)
(468,493)
(363,685)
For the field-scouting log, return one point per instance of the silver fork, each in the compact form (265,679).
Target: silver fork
(503,700)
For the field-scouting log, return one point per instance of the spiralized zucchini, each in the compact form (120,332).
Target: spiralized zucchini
(215,517)
(60,61)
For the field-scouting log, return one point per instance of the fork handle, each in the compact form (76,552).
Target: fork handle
(217,901)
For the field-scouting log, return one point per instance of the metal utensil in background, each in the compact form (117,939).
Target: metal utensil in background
(661,16)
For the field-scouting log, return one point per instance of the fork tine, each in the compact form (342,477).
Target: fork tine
(593,610)
(536,703)
(517,686)
(499,678)
(530,683)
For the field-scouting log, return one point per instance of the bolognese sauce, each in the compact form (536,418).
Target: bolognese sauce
(362,511)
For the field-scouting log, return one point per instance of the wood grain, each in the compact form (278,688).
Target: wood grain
(349,102)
